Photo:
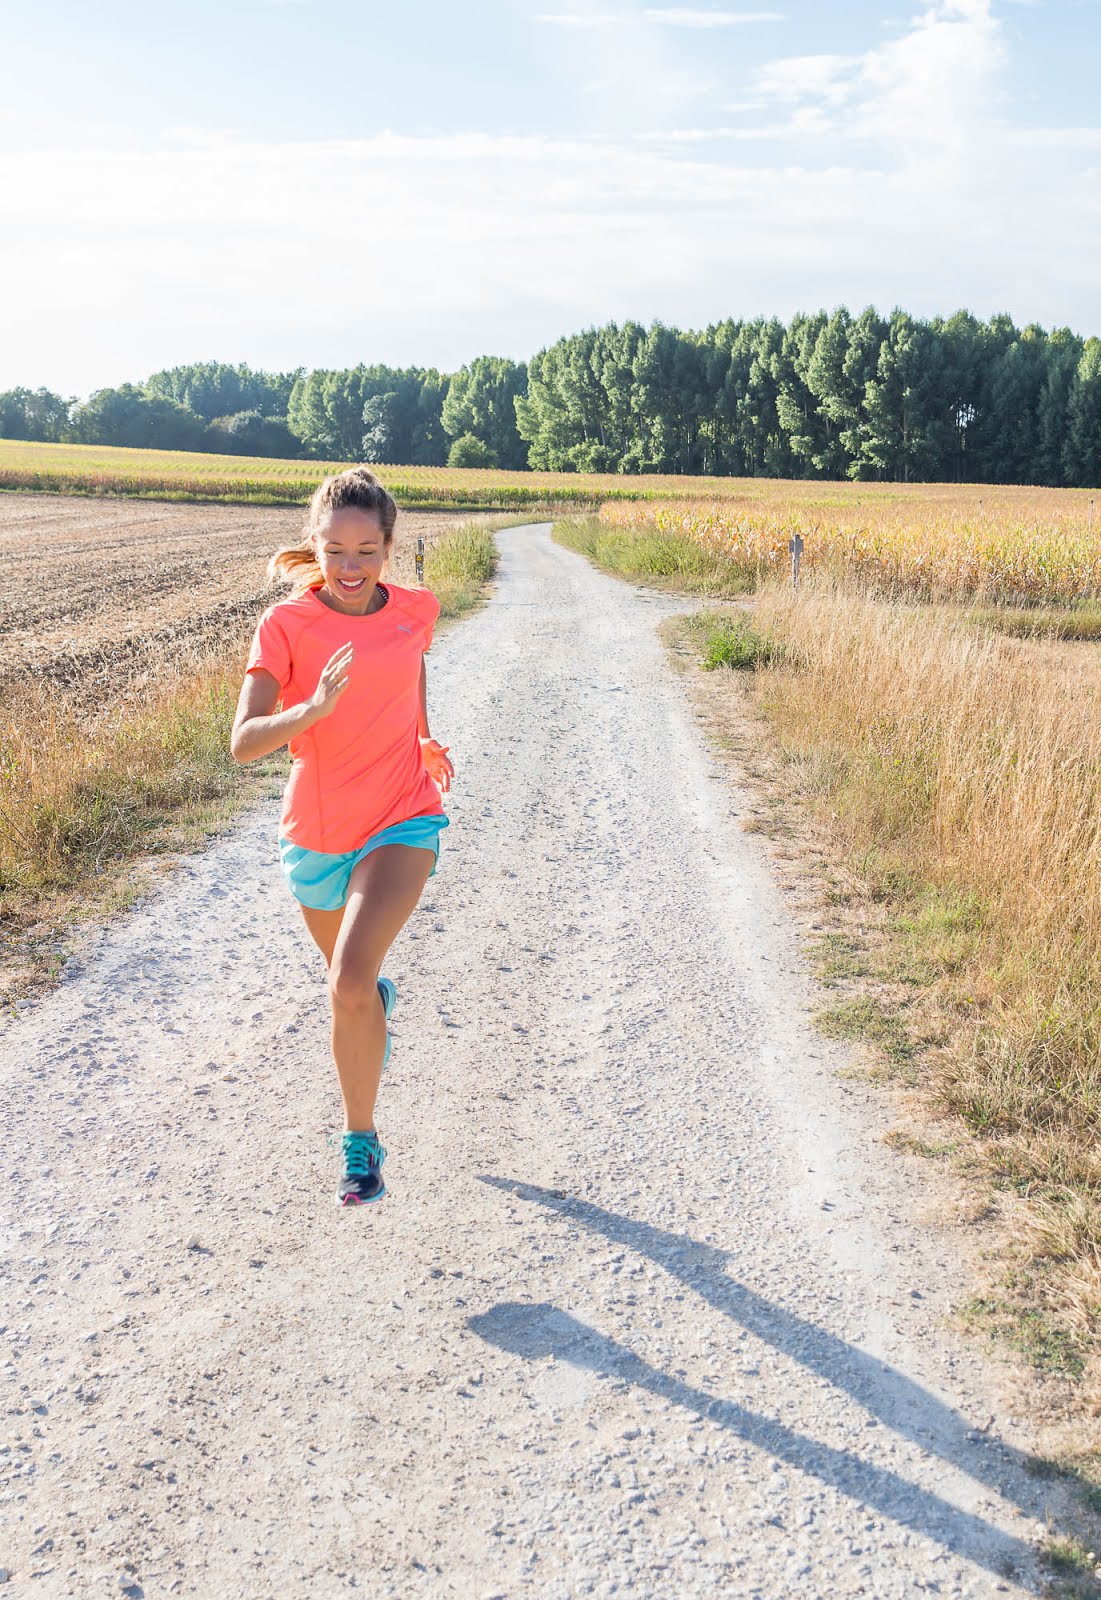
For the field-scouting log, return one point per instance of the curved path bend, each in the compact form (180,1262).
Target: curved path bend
(648,1311)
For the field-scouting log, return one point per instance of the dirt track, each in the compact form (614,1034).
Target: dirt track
(648,1309)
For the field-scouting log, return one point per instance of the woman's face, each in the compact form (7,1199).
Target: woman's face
(351,550)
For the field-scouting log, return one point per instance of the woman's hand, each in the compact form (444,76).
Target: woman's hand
(332,682)
(259,730)
(439,767)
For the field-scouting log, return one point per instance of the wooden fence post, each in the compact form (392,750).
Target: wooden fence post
(796,547)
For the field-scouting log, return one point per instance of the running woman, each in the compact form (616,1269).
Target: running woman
(359,838)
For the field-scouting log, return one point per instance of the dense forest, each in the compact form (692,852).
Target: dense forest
(826,396)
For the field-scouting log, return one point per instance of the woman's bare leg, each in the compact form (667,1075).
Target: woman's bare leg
(324,929)
(382,895)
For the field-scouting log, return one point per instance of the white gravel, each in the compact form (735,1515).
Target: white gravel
(644,1312)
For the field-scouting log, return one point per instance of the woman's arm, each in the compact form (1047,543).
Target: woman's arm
(422,711)
(434,754)
(258,728)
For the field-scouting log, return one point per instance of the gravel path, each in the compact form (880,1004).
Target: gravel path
(645,1311)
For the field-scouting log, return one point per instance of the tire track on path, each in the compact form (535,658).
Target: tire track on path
(643,1311)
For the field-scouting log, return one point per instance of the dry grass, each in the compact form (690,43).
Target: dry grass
(76,794)
(666,559)
(962,772)
(82,797)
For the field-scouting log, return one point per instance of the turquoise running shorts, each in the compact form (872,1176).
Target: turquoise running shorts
(320,881)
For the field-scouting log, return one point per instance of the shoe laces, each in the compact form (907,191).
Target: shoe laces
(362,1151)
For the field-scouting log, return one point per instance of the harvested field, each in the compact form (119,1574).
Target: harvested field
(99,597)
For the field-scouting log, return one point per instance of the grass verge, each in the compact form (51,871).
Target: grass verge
(1072,1569)
(669,559)
(459,567)
(726,639)
(84,799)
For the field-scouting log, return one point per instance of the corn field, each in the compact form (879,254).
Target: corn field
(935,542)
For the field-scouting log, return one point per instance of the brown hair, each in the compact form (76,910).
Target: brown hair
(357,488)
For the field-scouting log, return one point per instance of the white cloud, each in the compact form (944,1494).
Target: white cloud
(936,84)
(824,77)
(803,122)
(1057,138)
(935,88)
(628,64)
(581,19)
(681,17)
(672,17)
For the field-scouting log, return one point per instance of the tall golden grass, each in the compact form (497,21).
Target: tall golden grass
(969,765)
(77,792)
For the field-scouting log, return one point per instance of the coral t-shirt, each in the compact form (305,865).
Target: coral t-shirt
(359,769)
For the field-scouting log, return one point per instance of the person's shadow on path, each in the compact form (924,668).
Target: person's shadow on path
(535,1331)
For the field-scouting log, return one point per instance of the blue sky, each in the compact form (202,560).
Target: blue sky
(315,182)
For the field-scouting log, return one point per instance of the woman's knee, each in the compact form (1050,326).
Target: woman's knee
(353,983)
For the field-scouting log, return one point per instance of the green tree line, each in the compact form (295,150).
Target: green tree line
(829,395)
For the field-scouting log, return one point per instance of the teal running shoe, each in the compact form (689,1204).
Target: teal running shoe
(388,994)
(362,1181)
